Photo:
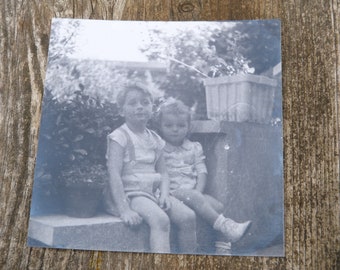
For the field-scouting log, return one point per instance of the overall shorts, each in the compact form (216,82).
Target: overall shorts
(139,177)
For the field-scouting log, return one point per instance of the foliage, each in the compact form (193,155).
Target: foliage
(191,58)
(99,79)
(213,49)
(62,39)
(73,133)
(86,176)
(79,111)
(256,41)
(72,146)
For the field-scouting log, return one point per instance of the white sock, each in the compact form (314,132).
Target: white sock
(218,222)
(224,245)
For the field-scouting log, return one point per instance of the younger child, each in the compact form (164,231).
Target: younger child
(188,174)
(137,169)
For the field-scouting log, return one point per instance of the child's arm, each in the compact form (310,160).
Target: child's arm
(200,167)
(115,164)
(201,182)
(164,200)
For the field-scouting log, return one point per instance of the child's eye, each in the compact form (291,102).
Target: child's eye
(132,102)
(145,102)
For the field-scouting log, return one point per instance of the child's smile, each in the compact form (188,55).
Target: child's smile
(137,108)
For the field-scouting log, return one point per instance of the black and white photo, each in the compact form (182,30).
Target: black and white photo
(161,137)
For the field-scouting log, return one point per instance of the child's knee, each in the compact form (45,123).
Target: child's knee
(160,222)
(195,196)
(190,215)
(187,219)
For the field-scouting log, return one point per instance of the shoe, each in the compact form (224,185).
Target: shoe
(223,248)
(234,231)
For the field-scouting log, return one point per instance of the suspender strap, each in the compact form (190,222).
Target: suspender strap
(129,145)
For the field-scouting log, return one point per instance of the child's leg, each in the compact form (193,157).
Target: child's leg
(185,220)
(217,205)
(157,220)
(197,201)
(222,244)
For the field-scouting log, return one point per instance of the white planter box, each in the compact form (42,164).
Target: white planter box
(240,98)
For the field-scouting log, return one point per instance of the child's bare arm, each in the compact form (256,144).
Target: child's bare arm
(115,164)
(200,168)
(164,200)
(201,182)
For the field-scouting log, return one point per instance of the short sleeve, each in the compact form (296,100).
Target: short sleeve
(199,158)
(117,136)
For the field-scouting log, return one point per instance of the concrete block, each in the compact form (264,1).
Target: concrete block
(102,232)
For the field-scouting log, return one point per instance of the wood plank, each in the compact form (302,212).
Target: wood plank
(311,72)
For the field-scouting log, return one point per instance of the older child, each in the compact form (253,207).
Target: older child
(137,169)
(188,174)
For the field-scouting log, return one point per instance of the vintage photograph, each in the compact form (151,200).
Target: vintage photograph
(161,137)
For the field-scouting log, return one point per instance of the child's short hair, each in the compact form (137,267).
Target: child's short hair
(173,106)
(121,97)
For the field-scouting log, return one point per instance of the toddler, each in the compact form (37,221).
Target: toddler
(136,170)
(188,174)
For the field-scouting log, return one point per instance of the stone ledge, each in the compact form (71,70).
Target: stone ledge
(102,232)
(108,233)
(226,127)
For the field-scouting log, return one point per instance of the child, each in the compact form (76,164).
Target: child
(188,174)
(137,169)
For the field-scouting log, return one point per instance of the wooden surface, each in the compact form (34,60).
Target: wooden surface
(311,73)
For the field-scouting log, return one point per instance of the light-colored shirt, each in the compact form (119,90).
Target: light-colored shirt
(141,152)
(184,163)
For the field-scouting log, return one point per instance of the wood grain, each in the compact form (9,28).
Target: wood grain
(311,72)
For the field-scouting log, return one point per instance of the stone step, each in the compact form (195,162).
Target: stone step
(108,233)
(102,232)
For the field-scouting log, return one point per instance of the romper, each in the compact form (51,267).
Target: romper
(184,163)
(139,176)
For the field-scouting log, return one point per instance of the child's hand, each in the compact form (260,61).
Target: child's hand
(131,218)
(164,202)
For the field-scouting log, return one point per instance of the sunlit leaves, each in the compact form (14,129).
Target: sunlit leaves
(62,40)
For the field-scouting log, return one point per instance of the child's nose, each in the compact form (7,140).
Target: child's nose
(140,105)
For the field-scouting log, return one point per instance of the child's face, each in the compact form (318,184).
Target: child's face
(174,128)
(137,107)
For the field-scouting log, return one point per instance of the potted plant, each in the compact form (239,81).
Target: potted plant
(82,189)
(73,141)
(84,125)
(240,98)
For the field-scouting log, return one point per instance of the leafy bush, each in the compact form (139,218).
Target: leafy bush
(73,134)
(86,176)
